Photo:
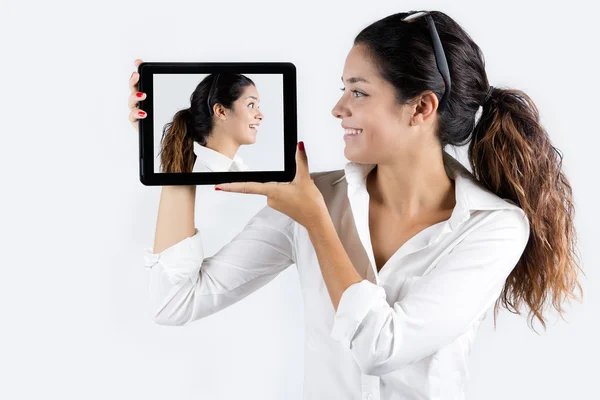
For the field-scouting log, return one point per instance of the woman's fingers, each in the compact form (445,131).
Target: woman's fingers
(134,98)
(134,78)
(135,113)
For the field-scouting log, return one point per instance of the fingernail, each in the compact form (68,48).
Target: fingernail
(301,146)
(141,113)
(217,188)
(312,179)
(139,94)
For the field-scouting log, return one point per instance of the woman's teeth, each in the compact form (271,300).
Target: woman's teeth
(353,131)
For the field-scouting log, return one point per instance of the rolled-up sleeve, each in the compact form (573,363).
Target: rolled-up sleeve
(439,306)
(185,285)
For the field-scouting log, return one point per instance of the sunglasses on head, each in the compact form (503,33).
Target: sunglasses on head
(440,57)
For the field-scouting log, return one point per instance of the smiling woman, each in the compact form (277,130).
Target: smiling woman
(224,115)
(402,252)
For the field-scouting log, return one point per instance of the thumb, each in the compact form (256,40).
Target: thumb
(301,161)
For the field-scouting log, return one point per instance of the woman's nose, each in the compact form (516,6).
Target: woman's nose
(337,111)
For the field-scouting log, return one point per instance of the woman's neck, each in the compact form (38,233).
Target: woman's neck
(413,185)
(223,143)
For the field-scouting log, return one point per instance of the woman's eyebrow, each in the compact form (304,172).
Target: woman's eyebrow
(251,97)
(355,80)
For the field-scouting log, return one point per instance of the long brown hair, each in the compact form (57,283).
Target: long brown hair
(509,150)
(195,124)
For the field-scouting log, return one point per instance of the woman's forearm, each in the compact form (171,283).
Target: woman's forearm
(336,266)
(175,220)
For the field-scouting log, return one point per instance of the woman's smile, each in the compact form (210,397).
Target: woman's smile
(351,133)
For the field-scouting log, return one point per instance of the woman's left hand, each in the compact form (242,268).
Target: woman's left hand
(299,199)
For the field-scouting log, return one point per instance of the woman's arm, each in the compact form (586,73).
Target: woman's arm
(175,219)
(185,285)
(336,267)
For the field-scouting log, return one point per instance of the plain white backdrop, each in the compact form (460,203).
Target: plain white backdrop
(74,219)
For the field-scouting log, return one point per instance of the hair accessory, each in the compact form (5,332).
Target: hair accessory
(440,57)
(210,94)
(488,95)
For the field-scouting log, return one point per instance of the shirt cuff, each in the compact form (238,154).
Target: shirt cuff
(180,261)
(355,303)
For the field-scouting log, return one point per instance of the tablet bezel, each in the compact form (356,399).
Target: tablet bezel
(146,126)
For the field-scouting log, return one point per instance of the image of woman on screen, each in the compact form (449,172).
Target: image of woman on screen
(224,115)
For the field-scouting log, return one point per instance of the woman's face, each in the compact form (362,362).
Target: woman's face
(368,106)
(244,120)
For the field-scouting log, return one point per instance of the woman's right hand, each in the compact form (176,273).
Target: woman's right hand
(135,114)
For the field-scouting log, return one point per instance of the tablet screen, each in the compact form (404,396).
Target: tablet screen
(211,122)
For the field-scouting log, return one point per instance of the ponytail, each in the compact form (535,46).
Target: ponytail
(511,154)
(177,144)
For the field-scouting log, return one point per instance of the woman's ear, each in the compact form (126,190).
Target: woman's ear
(423,108)
(220,112)
(427,104)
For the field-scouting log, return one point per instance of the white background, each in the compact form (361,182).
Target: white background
(172,92)
(75,218)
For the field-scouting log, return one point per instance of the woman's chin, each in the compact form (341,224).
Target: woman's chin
(248,139)
(251,137)
(348,153)
(352,154)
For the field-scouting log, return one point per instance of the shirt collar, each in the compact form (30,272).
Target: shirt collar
(470,194)
(217,161)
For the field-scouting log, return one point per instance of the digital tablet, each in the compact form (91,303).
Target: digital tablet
(217,122)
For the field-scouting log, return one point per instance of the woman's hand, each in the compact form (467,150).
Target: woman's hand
(299,199)
(135,114)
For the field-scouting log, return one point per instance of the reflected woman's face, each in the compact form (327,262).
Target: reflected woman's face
(244,121)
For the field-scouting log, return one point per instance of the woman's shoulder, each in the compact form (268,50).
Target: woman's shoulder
(334,192)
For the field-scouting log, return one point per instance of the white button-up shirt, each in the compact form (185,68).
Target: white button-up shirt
(401,333)
(209,160)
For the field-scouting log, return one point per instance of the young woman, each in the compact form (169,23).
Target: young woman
(224,115)
(402,252)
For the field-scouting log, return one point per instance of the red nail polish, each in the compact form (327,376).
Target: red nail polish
(139,94)
(141,113)
(301,146)
(218,188)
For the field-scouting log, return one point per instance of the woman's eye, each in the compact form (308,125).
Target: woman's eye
(251,104)
(355,92)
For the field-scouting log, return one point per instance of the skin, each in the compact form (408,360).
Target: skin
(232,127)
